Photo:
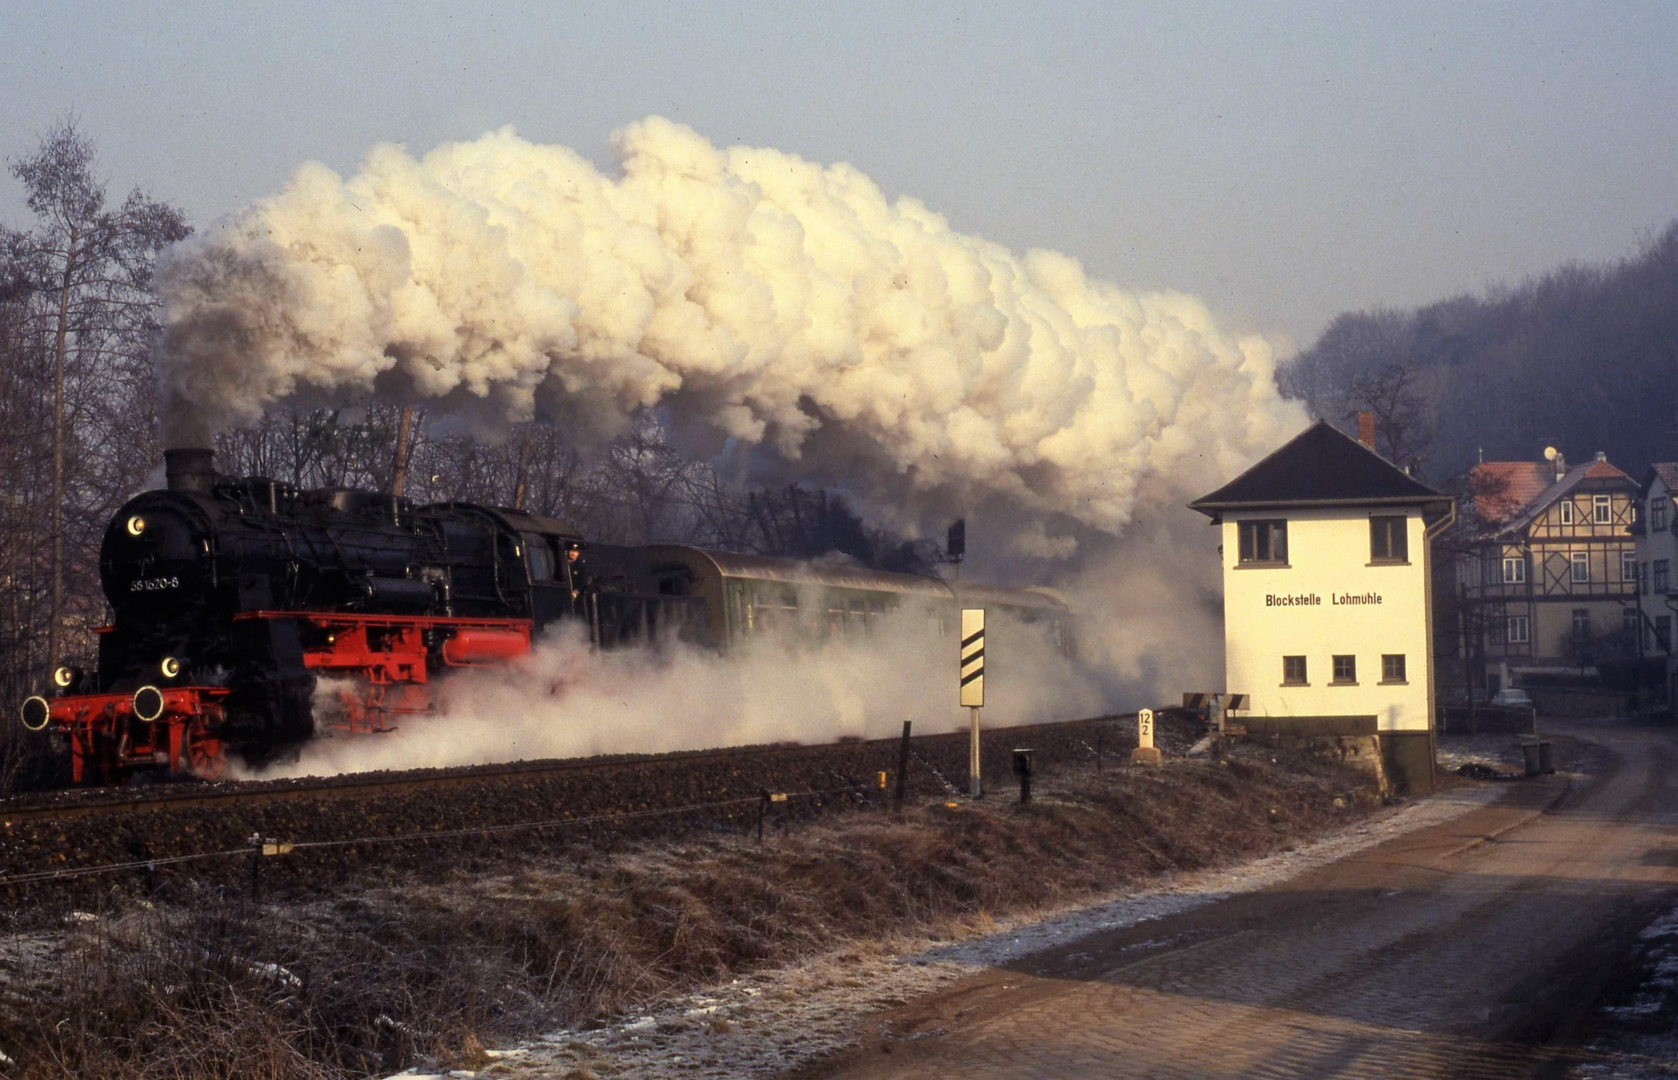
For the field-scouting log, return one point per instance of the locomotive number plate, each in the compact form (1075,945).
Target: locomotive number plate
(154,584)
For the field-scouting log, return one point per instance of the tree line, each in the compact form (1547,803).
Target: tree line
(79,433)
(1582,358)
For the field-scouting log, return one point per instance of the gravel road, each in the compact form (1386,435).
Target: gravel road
(1473,948)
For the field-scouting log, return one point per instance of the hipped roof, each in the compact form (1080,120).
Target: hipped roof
(1321,466)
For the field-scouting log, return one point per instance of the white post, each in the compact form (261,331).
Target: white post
(975,786)
(1146,753)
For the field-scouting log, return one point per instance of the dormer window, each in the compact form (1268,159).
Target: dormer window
(1263,543)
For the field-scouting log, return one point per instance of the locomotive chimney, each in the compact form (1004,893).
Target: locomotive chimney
(190,469)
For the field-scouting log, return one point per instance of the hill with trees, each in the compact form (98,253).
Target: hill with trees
(1583,358)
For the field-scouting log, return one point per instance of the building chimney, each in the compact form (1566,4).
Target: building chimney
(1561,464)
(190,469)
(1366,429)
(1602,455)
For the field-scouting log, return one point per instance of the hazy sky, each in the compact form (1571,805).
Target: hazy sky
(1284,162)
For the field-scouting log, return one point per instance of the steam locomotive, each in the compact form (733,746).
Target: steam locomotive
(249,615)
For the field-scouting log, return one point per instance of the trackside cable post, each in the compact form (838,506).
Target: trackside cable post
(256,866)
(1022,769)
(902,768)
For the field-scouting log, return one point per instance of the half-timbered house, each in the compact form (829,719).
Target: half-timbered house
(1552,570)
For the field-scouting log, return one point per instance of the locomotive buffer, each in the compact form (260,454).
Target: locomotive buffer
(973,688)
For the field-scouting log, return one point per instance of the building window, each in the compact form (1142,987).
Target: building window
(1567,511)
(1345,670)
(1293,671)
(1518,630)
(1663,575)
(1663,633)
(1601,510)
(1630,623)
(1581,566)
(1514,570)
(1581,624)
(1264,542)
(1389,539)
(1657,513)
(1628,567)
(1392,668)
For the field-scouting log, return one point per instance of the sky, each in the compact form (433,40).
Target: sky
(1284,162)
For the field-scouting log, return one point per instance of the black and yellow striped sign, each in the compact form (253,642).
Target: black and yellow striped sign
(973,656)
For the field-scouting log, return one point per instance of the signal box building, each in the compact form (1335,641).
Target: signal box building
(1327,605)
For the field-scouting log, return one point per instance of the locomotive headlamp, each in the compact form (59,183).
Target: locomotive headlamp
(136,525)
(63,676)
(36,712)
(148,703)
(170,667)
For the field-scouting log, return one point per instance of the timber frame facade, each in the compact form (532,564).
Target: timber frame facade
(1552,579)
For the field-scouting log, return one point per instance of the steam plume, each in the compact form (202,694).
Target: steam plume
(566,700)
(757,297)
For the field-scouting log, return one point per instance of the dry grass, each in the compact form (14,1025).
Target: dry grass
(371,981)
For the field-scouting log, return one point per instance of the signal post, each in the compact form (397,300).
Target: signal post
(973,689)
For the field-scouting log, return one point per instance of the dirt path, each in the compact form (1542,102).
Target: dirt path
(1469,949)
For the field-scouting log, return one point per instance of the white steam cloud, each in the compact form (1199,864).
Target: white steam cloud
(565,701)
(756,297)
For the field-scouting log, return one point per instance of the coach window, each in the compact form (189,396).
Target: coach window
(1389,539)
(1263,543)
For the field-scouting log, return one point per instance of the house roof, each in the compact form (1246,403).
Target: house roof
(1666,472)
(1523,515)
(1503,489)
(1321,466)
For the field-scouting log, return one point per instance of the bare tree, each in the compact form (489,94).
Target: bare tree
(89,269)
(1392,393)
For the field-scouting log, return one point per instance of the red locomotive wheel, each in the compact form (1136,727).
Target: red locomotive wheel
(206,758)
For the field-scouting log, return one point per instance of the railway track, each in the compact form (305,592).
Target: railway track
(183,794)
(439,822)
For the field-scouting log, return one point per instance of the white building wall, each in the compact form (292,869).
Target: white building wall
(1329,560)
